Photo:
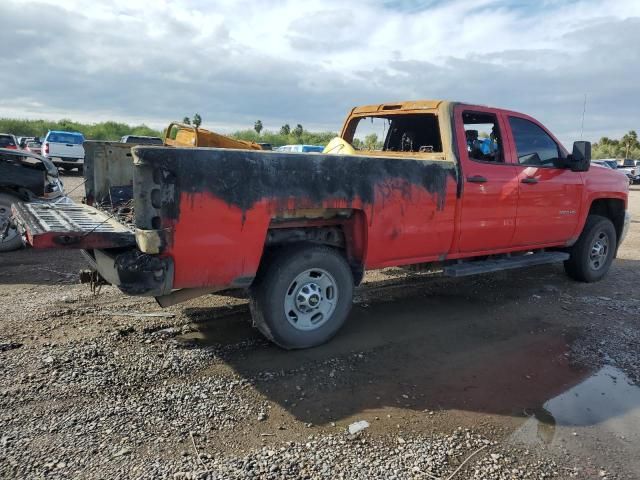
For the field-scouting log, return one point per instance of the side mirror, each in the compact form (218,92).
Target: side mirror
(580,158)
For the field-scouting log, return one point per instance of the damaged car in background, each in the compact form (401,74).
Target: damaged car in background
(24,177)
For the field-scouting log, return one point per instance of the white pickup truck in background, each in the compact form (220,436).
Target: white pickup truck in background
(64,149)
(631,169)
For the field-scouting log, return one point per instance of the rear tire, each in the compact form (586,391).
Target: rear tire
(302,295)
(592,254)
(13,241)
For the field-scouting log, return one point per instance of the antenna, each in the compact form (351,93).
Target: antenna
(584,109)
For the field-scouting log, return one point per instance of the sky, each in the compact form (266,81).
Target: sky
(309,62)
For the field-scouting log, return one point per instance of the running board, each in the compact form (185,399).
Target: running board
(505,263)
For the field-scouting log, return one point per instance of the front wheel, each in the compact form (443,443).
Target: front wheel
(302,296)
(592,254)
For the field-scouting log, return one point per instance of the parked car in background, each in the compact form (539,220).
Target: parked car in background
(631,169)
(64,149)
(22,141)
(8,141)
(141,140)
(301,148)
(34,147)
(24,177)
(266,146)
(607,163)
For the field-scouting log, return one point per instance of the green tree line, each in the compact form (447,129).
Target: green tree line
(95,131)
(626,147)
(114,130)
(286,135)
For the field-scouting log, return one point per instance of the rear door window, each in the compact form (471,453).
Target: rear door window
(482,132)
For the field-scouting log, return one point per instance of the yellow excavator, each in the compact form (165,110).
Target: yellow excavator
(182,135)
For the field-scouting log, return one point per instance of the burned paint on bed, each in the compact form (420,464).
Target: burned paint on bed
(243,178)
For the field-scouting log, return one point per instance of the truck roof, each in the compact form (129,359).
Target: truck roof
(400,106)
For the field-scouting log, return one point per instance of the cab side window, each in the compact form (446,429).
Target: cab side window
(533,145)
(484,142)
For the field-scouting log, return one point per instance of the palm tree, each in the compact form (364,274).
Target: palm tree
(629,141)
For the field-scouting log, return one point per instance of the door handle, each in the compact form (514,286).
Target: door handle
(529,180)
(477,179)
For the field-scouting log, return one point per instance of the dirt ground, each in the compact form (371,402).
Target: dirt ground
(540,372)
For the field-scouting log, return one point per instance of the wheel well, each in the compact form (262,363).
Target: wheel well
(336,235)
(611,208)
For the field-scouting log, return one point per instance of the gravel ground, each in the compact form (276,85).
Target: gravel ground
(444,370)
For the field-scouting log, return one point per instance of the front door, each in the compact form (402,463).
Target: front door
(489,181)
(549,192)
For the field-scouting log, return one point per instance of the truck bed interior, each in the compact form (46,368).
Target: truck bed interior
(109,179)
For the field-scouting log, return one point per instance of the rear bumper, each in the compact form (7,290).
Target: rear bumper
(133,272)
(68,163)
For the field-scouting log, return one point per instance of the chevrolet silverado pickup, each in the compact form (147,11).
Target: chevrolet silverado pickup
(455,188)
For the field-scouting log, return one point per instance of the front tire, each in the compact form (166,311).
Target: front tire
(592,254)
(302,295)
(13,240)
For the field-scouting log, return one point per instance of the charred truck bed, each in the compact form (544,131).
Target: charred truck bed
(205,207)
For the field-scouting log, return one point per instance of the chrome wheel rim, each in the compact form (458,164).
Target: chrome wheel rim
(6,227)
(599,251)
(311,299)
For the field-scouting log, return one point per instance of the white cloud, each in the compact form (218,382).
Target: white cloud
(287,61)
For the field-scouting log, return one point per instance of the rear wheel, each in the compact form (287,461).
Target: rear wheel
(302,296)
(9,236)
(592,254)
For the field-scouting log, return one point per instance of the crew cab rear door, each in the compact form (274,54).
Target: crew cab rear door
(549,193)
(489,181)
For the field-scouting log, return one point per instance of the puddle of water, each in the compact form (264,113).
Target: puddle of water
(606,395)
(607,400)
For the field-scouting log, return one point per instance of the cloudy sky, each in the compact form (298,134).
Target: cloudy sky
(292,61)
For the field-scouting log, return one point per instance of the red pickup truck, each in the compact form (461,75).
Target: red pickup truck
(458,188)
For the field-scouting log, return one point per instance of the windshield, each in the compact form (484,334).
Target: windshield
(62,137)
(6,141)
